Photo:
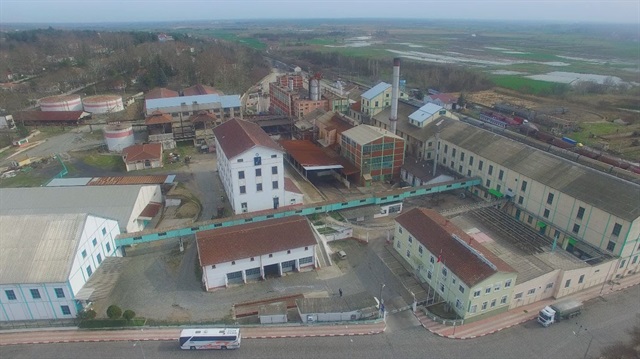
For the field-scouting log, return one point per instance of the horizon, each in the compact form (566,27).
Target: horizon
(75,12)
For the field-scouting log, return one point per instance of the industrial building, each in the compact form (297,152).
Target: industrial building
(142,156)
(132,206)
(47,259)
(254,251)
(51,118)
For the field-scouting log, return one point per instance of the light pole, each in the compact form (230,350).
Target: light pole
(381,301)
(590,340)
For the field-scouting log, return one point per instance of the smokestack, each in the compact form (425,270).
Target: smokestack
(395,93)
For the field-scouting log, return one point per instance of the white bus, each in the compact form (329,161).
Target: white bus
(210,338)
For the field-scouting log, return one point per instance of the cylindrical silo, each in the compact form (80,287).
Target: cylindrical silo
(103,104)
(61,103)
(314,88)
(118,136)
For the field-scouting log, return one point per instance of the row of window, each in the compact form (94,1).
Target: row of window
(483,307)
(270,256)
(35,293)
(256,160)
(107,246)
(274,171)
(274,185)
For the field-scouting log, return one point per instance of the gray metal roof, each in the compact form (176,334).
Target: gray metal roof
(425,112)
(609,193)
(348,303)
(38,248)
(113,202)
(403,125)
(226,101)
(364,134)
(375,90)
(63,182)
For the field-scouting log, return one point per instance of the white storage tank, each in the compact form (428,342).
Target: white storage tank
(103,104)
(118,136)
(61,103)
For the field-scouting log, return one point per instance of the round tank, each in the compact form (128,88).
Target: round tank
(61,103)
(103,104)
(118,136)
(315,90)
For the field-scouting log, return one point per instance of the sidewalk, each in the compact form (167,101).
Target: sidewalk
(70,335)
(520,314)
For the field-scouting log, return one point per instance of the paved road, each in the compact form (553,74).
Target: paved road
(607,320)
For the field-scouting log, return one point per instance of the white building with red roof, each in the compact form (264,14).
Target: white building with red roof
(254,251)
(139,157)
(250,165)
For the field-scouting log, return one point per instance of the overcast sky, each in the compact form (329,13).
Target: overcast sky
(64,11)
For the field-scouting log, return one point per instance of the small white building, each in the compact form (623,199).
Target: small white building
(237,254)
(352,307)
(250,165)
(46,260)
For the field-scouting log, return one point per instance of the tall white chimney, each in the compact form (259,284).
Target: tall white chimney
(395,93)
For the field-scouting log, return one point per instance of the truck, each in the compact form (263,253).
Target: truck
(558,311)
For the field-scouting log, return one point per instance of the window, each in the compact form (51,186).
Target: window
(444,272)
(622,263)
(274,156)
(213,266)
(611,246)
(546,213)
(488,183)
(243,205)
(271,255)
(446,148)
(259,187)
(531,291)
(493,303)
(243,189)
(634,260)
(274,170)
(99,258)
(473,308)
(523,186)
(240,174)
(84,254)
(453,279)
(503,300)
(476,293)
(490,172)
(549,285)
(429,274)
(458,303)
(398,244)
(567,283)
(550,198)
(410,239)
(441,287)
(470,160)
(616,229)
(461,289)
(306,248)
(65,309)
(11,295)
(581,279)
(252,259)
(89,271)
(104,231)
(257,161)
(240,160)
(487,290)
(275,184)
(520,200)
(461,156)
(507,283)
(484,306)
(420,250)
(258,172)
(518,296)
(453,152)
(408,253)
(480,164)
(530,220)
(233,263)
(289,251)
(576,228)
(431,259)
(496,287)
(580,213)
(468,173)
(94,242)
(500,175)
(108,247)
(59,292)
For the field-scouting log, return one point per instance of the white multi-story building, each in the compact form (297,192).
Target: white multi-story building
(254,251)
(251,167)
(47,259)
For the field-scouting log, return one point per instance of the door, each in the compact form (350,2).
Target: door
(276,202)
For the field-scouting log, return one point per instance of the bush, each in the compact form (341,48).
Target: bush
(114,312)
(87,314)
(129,314)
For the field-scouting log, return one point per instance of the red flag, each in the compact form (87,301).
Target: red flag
(440,257)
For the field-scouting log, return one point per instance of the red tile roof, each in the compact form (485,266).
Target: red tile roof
(151,210)
(160,92)
(435,232)
(201,90)
(202,116)
(307,154)
(290,186)
(157,117)
(147,151)
(48,116)
(125,180)
(238,136)
(254,239)
(444,97)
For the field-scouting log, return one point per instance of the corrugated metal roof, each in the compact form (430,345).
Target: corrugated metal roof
(113,202)
(38,248)
(375,90)
(609,193)
(65,182)
(364,134)
(346,304)
(425,112)
(226,101)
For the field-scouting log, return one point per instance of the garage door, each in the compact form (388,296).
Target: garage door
(288,266)
(234,277)
(253,273)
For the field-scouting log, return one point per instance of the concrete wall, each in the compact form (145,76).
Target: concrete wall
(141,165)
(147,194)
(25,307)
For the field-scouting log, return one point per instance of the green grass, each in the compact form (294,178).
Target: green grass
(112,323)
(536,56)
(105,162)
(522,84)
(24,179)
(597,129)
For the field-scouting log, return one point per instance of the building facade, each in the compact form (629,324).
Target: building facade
(377,153)
(250,165)
(46,261)
(255,251)
(472,280)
